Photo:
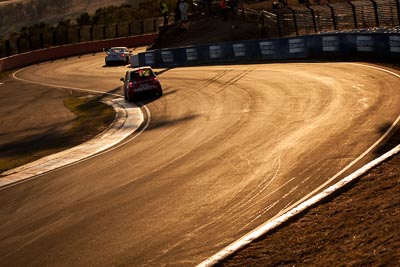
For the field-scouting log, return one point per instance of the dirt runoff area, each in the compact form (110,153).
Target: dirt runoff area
(359,226)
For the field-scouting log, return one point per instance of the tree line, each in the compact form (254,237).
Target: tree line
(34,10)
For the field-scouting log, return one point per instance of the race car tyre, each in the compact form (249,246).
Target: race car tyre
(129,98)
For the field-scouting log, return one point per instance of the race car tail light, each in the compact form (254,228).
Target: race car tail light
(130,84)
(123,55)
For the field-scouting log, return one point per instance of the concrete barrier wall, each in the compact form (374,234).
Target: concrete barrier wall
(350,46)
(42,55)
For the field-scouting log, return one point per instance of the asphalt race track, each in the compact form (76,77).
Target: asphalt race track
(226,149)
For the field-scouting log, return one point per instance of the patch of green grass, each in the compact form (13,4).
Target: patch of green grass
(4,74)
(92,117)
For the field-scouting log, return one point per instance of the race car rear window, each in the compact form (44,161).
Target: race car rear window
(116,50)
(143,73)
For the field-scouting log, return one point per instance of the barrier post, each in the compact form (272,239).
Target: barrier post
(264,30)
(398,11)
(18,41)
(79,34)
(66,36)
(30,45)
(333,17)
(353,8)
(8,48)
(313,18)
(54,37)
(91,33)
(278,23)
(41,40)
(294,20)
(376,13)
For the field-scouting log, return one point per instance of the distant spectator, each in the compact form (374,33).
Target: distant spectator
(201,5)
(223,9)
(284,2)
(177,11)
(183,7)
(234,4)
(164,11)
(208,2)
(280,3)
(222,4)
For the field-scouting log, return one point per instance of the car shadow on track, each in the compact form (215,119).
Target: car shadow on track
(113,65)
(116,91)
(147,99)
(156,124)
(169,123)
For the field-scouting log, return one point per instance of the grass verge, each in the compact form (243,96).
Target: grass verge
(92,117)
(4,74)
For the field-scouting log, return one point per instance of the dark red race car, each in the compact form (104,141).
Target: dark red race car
(141,81)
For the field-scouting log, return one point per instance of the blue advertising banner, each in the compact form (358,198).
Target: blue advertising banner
(368,45)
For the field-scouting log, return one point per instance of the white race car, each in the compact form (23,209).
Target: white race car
(117,55)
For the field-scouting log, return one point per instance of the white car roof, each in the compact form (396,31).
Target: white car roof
(119,47)
(141,68)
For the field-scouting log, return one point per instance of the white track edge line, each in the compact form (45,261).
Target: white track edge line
(308,201)
(59,86)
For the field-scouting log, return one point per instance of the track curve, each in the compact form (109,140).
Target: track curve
(228,147)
